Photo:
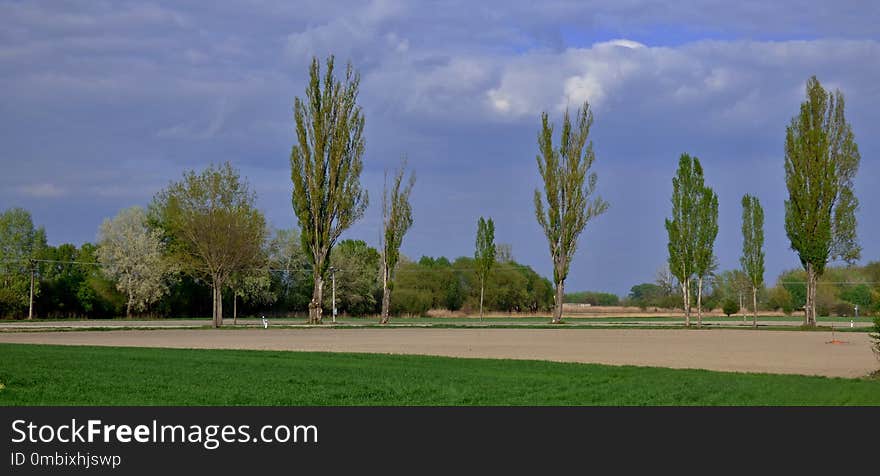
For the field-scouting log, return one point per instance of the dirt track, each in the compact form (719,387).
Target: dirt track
(732,350)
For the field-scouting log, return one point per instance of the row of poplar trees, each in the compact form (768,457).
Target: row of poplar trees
(327,160)
(821,159)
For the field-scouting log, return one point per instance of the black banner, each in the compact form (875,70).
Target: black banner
(250,440)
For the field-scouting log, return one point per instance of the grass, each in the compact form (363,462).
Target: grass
(74,375)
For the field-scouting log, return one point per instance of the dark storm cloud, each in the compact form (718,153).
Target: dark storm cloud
(104,102)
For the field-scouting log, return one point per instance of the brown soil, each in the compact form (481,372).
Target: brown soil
(785,352)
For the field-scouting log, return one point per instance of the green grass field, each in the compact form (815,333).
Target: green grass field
(65,375)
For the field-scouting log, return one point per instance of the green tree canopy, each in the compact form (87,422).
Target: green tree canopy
(325,168)
(484,254)
(821,160)
(565,207)
(211,227)
(20,244)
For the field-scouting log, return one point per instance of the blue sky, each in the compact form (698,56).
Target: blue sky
(102,103)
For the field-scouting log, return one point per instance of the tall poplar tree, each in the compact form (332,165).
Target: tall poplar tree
(821,160)
(567,191)
(752,259)
(396,220)
(325,168)
(691,230)
(705,232)
(484,255)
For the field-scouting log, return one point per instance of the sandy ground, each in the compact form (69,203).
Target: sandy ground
(787,352)
(251,322)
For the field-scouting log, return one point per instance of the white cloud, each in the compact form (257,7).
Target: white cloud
(42,190)
(196,130)
(620,42)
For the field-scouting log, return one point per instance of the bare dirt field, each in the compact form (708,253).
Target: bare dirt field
(808,353)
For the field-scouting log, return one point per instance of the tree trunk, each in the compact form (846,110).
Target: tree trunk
(560,294)
(386,295)
(130,298)
(31,301)
(482,287)
(219,305)
(754,307)
(214,305)
(810,305)
(217,287)
(700,302)
(686,306)
(315,306)
(234,309)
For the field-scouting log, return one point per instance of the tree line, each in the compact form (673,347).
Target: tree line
(204,231)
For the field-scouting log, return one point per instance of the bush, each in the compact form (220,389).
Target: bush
(875,346)
(779,298)
(410,301)
(843,309)
(593,298)
(730,306)
(788,308)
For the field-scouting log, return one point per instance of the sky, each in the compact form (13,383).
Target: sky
(102,103)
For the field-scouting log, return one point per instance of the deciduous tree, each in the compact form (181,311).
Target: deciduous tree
(484,256)
(396,220)
(326,164)
(132,254)
(565,208)
(752,259)
(358,267)
(21,244)
(706,230)
(690,200)
(211,227)
(821,160)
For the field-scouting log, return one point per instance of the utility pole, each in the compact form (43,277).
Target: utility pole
(333,279)
(31,303)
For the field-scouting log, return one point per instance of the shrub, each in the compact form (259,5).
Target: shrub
(730,306)
(410,301)
(875,345)
(779,298)
(788,308)
(843,309)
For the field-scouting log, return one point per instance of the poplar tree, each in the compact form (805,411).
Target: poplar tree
(484,255)
(821,160)
(692,230)
(325,168)
(752,259)
(396,220)
(705,232)
(567,191)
